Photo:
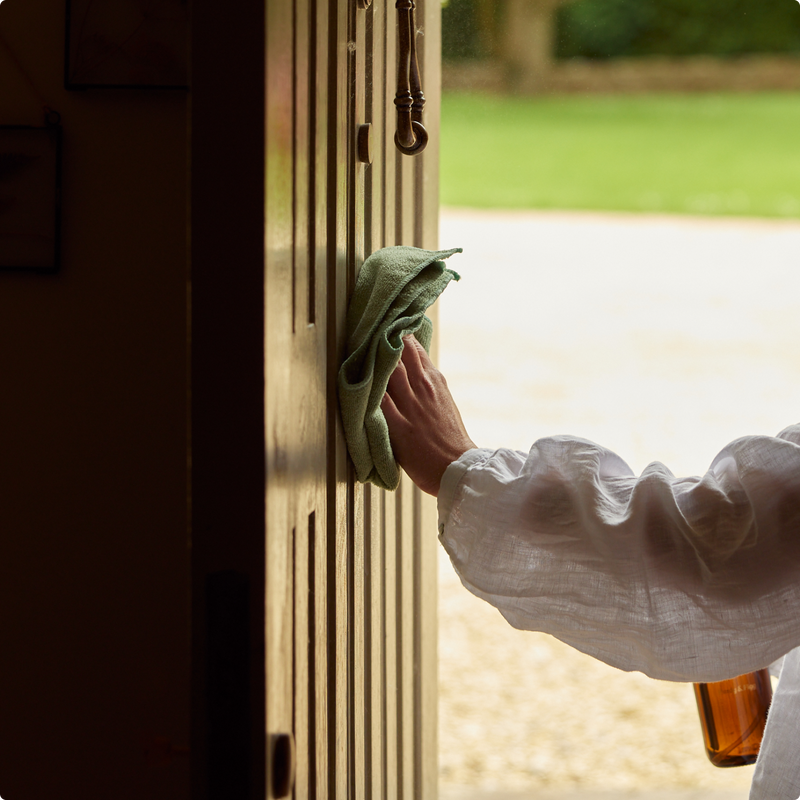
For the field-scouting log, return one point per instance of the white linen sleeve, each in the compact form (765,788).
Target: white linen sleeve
(684,579)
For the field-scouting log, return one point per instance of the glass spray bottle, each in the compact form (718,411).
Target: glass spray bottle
(733,714)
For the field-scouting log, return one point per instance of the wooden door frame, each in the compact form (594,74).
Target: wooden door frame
(230,410)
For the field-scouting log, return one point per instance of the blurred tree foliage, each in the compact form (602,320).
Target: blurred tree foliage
(470,28)
(614,28)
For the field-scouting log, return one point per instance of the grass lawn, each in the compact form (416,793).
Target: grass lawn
(733,154)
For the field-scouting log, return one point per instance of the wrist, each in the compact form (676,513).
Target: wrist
(453,455)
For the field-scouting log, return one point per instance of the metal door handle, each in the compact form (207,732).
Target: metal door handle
(411,136)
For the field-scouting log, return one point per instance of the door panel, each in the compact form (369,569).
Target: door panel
(350,574)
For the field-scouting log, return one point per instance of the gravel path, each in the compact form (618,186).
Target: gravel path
(663,338)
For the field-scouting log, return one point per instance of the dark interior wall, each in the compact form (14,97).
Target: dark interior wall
(94,551)
(228,401)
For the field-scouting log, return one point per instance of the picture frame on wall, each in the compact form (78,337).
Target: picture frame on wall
(30,198)
(127,44)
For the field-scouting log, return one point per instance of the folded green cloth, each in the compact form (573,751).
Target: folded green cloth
(394,288)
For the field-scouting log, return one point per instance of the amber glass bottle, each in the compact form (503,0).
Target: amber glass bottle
(733,714)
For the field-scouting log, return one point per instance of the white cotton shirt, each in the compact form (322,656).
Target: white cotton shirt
(683,579)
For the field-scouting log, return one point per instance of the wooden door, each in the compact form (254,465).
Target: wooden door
(314,597)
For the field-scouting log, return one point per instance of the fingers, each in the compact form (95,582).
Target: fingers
(410,375)
(416,361)
(415,352)
(393,416)
(399,385)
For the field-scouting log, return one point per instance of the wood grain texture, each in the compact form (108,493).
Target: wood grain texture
(301,710)
(407,607)
(339,490)
(374,603)
(391,647)
(318,316)
(375,646)
(429,18)
(278,328)
(347,580)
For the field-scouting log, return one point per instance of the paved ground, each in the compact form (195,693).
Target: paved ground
(465,793)
(663,338)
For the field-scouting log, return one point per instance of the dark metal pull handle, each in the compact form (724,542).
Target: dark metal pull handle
(411,136)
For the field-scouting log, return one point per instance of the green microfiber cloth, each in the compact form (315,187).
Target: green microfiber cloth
(394,288)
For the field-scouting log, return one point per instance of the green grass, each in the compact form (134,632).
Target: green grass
(732,154)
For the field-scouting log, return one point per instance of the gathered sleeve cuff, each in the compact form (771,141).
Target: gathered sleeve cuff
(684,579)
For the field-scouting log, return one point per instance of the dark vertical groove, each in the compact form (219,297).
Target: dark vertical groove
(312,658)
(382,155)
(368,103)
(398,180)
(417,658)
(398,197)
(295,106)
(399,635)
(295,688)
(351,639)
(351,150)
(368,643)
(384,710)
(312,162)
(418,162)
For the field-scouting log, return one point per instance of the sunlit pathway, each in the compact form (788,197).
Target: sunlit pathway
(662,338)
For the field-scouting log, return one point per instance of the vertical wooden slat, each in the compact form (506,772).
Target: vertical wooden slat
(318,315)
(390,633)
(278,626)
(407,539)
(359,702)
(306,437)
(320,569)
(429,19)
(376,645)
(390,738)
(278,325)
(301,166)
(406,198)
(339,488)
(427,235)
(426,650)
(312,674)
(375,111)
(300,671)
(374,93)
(338,647)
(405,194)
(390,233)
(357,653)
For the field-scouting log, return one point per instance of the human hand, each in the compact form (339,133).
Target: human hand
(425,427)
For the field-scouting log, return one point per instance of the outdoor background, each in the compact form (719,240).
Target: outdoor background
(629,276)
